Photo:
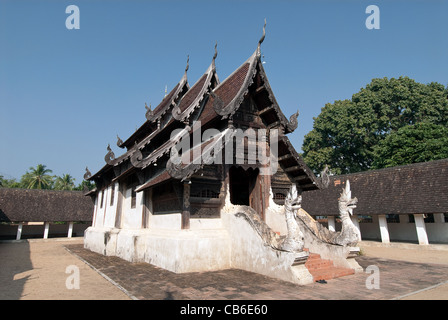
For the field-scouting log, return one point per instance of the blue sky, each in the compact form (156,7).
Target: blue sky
(65,94)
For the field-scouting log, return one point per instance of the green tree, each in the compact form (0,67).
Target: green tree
(65,182)
(85,185)
(10,183)
(346,132)
(411,144)
(38,178)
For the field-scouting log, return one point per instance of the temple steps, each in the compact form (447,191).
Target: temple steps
(323,269)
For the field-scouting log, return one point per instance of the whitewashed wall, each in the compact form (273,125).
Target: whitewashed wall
(111,208)
(131,218)
(105,215)
(99,211)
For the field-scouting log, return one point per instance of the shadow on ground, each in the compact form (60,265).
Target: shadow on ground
(15,263)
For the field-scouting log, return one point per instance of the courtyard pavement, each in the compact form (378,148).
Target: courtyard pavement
(40,269)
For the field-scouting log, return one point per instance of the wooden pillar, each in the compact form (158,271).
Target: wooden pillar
(47,228)
(331,223)
(70,229)
(19,231)
(421,229)
(186,206)
(382,221)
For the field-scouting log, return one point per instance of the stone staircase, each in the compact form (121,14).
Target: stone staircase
(322,269)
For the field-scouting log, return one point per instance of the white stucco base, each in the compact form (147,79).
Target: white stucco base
(213,244)
(237,245)
(175,250)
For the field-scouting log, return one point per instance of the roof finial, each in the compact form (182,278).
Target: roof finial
(166,90)
(87,175)
(262,37)
(216,51)
(149,112)
(188,63)
(119,142)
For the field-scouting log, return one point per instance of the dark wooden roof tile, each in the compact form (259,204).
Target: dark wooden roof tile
(31,205)
(409,189)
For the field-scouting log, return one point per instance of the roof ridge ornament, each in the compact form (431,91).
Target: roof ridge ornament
(216,52)
(110,156)
(88,174)
(119,142)
(293,123)
(262,38)
(188,64)
(149,112)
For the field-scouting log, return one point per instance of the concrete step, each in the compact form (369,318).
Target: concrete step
(331,273)
(324,269)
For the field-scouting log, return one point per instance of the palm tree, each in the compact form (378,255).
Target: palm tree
(66,182)
(38,178)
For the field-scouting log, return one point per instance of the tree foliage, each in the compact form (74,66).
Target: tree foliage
(40,178)
(410,144)
(85,185)
(65,182)
(347,132)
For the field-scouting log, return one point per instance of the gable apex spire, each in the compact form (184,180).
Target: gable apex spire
(216,52)
(262,38)
(188,64)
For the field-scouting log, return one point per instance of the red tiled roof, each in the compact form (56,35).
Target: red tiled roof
(232,85)
(166,100)
(192,94)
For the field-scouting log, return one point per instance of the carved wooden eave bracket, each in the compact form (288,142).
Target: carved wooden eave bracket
(88,174)
(119,142)
(293,123)
(110,156)
(149,114)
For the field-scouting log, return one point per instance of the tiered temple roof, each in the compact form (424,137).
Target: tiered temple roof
(214,104)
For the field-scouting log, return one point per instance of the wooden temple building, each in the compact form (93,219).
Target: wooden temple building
(175,214)
(144,175)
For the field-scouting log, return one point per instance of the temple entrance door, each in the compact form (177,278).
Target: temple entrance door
(245,188)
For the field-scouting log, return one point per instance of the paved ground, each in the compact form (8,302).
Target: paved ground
(37,270)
